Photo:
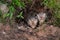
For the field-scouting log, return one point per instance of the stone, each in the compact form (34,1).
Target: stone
(3,32)
(9,0)
(4,8)
(22,28)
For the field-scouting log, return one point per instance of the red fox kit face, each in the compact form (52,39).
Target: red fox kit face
(41,17)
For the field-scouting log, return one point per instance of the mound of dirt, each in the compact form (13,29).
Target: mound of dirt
(43,32)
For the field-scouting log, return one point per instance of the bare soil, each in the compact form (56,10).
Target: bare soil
(43,32)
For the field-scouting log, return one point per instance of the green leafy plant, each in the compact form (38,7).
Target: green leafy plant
(57,16)
(18,3)
(20,15)
(10,14)
(49,3)
(53,4)
(12,9)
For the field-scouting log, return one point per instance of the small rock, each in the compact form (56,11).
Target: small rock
(3,32)
(32,22)
(9,0)
(4,8)
(41,17)
(22,27)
